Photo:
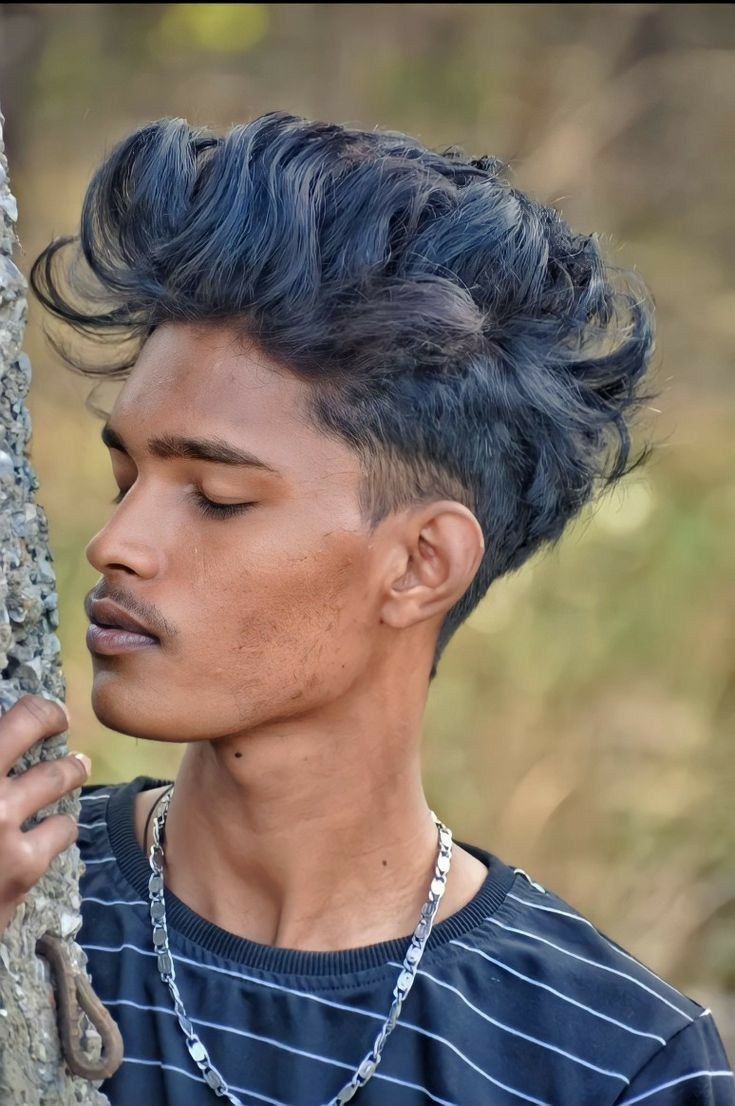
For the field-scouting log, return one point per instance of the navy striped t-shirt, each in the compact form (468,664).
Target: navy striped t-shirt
(518,999)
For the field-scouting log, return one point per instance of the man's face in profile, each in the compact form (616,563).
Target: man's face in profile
(263,615)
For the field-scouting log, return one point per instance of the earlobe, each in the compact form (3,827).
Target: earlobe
(444,546)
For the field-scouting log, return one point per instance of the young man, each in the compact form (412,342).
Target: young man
(367,379)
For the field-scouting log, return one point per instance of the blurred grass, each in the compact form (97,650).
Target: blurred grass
(582,722)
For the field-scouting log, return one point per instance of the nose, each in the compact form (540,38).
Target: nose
(129,540)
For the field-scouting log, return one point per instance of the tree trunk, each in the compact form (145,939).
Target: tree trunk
(33,1071)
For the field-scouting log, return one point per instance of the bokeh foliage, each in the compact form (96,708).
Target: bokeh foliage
(581,725)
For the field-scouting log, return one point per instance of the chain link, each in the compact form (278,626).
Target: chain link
(404,983)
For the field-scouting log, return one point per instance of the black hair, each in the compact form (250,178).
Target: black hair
(459,335)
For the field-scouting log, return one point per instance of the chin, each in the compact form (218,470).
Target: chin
(137,712)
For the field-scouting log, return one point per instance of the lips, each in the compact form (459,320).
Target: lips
(106,613)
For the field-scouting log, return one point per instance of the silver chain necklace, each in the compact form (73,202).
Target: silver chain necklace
(406,977)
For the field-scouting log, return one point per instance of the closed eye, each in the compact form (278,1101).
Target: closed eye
(207,506)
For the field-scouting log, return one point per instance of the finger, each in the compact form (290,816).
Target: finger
(42,784)
(29,720)
(36,851)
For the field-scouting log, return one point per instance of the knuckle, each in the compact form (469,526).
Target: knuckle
(66,832)
(56,775)
(24,853)
(20,873)
(14,887)
(43,710)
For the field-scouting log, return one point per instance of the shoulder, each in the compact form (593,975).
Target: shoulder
(609,1002)
(104,805)
(98,795)
(93,837)
(94,799)
(111,856)
(563,944)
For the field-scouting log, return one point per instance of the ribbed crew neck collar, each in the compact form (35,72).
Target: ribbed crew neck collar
(182,920)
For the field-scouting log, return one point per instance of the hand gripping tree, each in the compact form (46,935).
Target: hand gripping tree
(57,1041)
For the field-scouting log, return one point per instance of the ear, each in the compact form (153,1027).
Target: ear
(439,551)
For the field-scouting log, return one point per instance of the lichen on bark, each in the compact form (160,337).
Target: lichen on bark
(32,1071)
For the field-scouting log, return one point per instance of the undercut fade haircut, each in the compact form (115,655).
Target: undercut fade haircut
(459,336)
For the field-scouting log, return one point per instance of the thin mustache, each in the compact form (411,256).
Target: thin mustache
(129,608)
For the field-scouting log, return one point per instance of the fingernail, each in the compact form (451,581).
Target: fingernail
(85,761)
(66,712)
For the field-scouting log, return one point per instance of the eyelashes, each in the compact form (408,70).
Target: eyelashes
(219,510)
(208,507)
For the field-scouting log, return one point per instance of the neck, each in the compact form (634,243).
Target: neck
(317,837)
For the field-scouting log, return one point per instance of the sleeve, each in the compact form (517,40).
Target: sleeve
(691,1069)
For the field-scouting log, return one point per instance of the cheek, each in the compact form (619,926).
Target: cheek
(310,606)
(281,602)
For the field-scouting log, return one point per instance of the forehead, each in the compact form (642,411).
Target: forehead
(202,380)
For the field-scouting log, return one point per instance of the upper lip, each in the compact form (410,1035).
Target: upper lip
(106,613)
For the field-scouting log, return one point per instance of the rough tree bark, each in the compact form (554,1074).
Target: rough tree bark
(32,1070)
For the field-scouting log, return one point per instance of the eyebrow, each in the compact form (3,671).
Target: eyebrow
(169,446)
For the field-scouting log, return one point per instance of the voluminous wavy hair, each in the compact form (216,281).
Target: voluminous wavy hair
(458,335)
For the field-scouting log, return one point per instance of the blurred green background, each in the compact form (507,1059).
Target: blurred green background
(581,725)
